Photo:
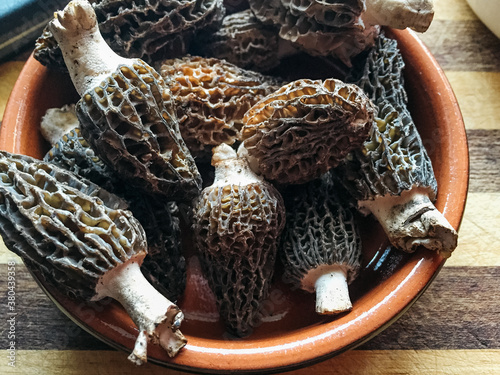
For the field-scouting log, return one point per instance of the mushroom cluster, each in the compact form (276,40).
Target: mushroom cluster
(150,30)
(83,241)
(100,215)
(211,96)
(164,266)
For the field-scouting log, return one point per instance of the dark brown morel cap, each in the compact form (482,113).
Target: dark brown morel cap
(157,28)
(244,41)
(392,176)
(151,30)
(73,153)
(237,223)
(393,159)
(211,96)
(321,240)
(164,266)
(130,122)
(332,28)
(307,127)
(66,227)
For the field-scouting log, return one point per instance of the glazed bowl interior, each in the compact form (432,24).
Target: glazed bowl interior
(291,334)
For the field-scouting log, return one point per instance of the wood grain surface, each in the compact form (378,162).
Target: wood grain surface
(454,328)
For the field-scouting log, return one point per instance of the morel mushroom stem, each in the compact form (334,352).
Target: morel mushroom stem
(75,29)
(332,293)
(411,220)
(399,14)
(156,317)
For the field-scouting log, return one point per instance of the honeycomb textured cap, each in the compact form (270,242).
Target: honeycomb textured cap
(237,222)
(164,266)
(332,28)
(211,96)
(307,127)
(151,30)
(244,41)
(130,122)
(73,153)
(320,231)
(64,226)
(393,159)
(156,29)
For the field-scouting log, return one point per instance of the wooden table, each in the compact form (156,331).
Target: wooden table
(454,328)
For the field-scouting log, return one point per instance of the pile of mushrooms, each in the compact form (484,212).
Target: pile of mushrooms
(104,204)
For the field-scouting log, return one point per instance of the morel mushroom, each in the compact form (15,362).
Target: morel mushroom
(307,127)
(83,241)
(332,28)
(237,221)
(211,97)
(321,249)
(73,153)
(391,176)
(342,28)
(125,111)
(246,42)
(58,121)
(152,30)
(164,266)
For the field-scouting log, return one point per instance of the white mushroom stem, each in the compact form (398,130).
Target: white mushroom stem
(57,122)
(157,319)
(88,57)
(411,220)
(331,287)
(399,14)
(231,168)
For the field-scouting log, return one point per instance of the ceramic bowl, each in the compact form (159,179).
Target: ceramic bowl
(291,335)
(488,12)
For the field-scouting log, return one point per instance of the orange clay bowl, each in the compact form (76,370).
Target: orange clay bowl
(292,335)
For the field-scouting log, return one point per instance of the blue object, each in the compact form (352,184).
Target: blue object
(22,21)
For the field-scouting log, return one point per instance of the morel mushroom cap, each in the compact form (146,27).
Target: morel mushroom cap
(164,266)
(246,42)
(321,249)
(332,28)
(211,97)
(84,243)
(307,127)
(58,121)
(237,222)
(73,153)
(391,176)
(152,30)
(156,29)
(125,112)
